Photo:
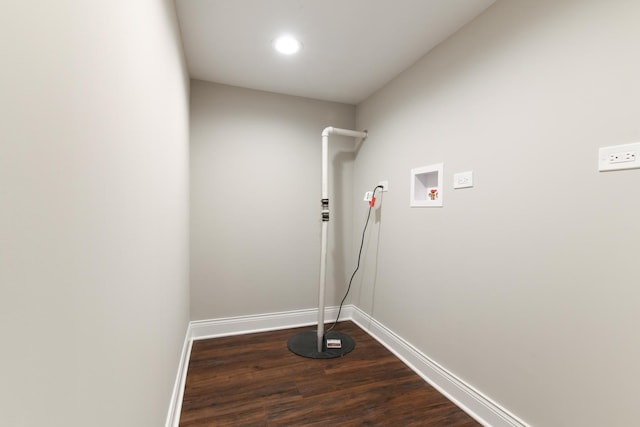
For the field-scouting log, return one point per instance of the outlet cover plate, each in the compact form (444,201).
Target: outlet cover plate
(618,157)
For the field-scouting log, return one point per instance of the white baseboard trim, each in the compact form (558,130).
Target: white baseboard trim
(480,407)
(175,405)
(204,329)
(474,403)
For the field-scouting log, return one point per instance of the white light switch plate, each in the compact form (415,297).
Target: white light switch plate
(463,180)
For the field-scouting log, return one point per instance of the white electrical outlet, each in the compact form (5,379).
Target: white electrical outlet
(618,157)
(385,185)
(629,156)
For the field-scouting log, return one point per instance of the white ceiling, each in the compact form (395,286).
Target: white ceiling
(351,48)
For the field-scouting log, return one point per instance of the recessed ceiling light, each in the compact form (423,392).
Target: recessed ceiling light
(286,45)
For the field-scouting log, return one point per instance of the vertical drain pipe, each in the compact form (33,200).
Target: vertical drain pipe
(325,222)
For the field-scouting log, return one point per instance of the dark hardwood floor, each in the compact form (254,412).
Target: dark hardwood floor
(254,380)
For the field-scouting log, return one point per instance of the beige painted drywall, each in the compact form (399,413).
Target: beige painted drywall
(93,212)
(255,201)
(526,285)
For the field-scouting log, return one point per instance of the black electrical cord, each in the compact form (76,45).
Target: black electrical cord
(366,223)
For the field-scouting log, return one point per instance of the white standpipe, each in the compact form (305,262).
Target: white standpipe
(325,220)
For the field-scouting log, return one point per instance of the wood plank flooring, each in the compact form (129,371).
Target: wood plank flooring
(254,380)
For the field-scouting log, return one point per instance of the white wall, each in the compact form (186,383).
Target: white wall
(93,212)
(255,201)
(525,286)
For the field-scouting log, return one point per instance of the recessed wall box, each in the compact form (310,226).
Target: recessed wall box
(426,186)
